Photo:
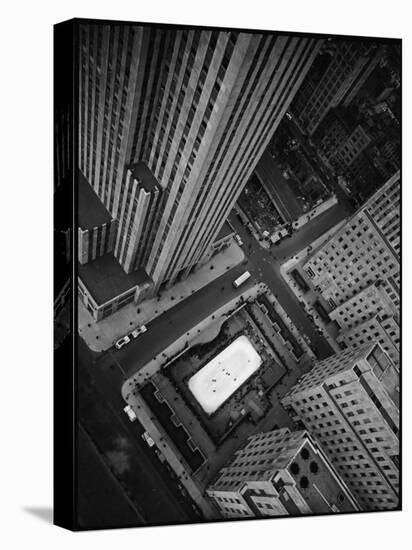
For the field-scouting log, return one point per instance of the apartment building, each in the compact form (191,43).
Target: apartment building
(280,473)
(350,403)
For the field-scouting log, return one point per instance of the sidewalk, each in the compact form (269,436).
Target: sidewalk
(308,298)
(102,335)
(291,326)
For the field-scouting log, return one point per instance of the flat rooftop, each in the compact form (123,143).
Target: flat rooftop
(213,384)
(91,211)
(142,172)
(105,278)
(277,187)
(316,481)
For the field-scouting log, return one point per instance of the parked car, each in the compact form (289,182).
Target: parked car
(130,413)
(138,331)
(122,342)
(238,240)
(307,339)
(146,437)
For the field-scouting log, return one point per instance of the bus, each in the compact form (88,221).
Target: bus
(240,280)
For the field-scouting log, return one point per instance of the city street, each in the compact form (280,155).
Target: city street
(264,265)
(132,469)
(167,328)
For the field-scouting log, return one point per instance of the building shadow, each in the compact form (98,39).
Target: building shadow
(44,513)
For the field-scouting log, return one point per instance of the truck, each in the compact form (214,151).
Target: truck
(240,280)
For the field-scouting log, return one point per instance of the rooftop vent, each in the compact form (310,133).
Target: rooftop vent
(294,468)
(313,467)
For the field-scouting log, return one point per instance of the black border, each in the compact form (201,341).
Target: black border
(65,372)
(176,26)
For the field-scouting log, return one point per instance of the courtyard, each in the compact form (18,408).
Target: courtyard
(223,382)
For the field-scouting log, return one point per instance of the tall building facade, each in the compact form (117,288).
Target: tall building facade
(336,83)
(280,473)
(198,108)
(372,315)
(350,403)
(357,272)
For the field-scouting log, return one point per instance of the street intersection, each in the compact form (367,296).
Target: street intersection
(109,370)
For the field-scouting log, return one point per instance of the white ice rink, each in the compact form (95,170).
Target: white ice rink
(223,375)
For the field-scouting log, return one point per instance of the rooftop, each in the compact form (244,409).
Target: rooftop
(277,187)
(105,278)
(316,480)
(91,210)
(142,172)
(296,452)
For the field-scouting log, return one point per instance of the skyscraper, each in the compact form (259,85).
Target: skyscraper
(197,109)
(280,473)
(350,403)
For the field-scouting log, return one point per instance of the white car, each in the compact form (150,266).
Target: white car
(130,413)
(146,437)
(139,330)
(122,342)
(238,240)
